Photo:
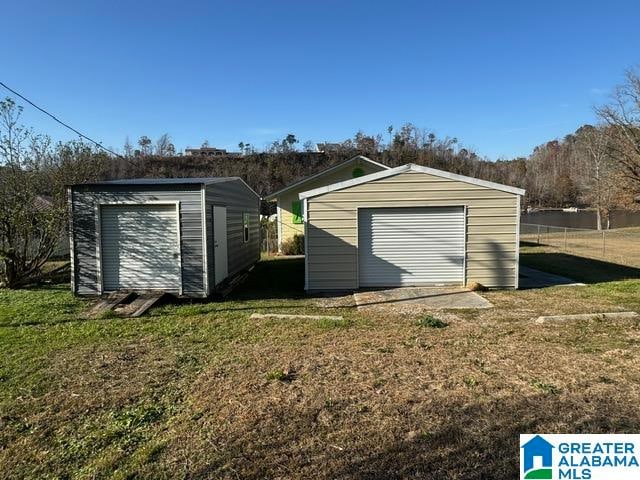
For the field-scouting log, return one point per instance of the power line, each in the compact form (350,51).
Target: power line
(98,144)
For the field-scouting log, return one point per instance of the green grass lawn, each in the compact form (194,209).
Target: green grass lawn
(199,390)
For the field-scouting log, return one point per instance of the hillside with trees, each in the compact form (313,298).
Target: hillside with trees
(597,166)
(578,170)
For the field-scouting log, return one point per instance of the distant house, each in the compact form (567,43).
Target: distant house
(206,152)
(328,147)
(290,214)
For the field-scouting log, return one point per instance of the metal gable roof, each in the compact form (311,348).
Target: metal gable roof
(410,167)
(146,182)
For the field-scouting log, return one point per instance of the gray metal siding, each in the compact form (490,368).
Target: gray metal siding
(84,202)
(238,198)
(411,246)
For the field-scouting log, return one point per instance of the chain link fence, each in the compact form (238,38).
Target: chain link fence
(620,246)
(268,237)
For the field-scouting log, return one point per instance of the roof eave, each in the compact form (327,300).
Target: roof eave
(406,168)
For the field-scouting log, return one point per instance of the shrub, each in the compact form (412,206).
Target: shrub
(294,246)
(476,287)
(432,322)
(548,388)
(281,375)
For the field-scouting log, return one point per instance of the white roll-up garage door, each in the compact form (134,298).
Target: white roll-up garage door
(411,246)
(139,247)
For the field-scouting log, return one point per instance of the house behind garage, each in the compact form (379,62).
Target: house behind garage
(411,225)
(185,236)
(290,209)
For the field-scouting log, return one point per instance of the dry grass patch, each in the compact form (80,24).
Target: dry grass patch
(397,400)
(202,391)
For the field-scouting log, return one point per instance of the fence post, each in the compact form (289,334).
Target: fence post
(604,245)
(538,235)
(565,239)
(548,241)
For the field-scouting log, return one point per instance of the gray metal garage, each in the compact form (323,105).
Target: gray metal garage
(411,225)
(186,236)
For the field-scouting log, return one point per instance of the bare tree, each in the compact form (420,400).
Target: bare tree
(286,145)
(128,148)
(145,145)
(623,117)
(164,147)
(33,203)
(601,175)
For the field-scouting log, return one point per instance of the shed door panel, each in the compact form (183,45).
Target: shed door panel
(411,246)
(220,257)
(139,247)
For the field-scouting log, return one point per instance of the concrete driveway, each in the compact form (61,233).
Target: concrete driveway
(420,298)
(532,278)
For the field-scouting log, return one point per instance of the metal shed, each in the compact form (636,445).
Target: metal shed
(411,226)
(186,236)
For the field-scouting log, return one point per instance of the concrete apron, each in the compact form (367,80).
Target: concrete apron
(420,298)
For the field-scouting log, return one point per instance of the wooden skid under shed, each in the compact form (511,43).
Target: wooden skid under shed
(126,304)
(109,303)
(139,305)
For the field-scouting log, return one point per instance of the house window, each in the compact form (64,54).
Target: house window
(296,211)
(357,172)
(245,226)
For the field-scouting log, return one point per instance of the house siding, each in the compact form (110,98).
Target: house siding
(491,223)
(239,199)
(286,228)
(84,236)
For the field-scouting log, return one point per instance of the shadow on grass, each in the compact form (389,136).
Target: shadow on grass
(452,438)
(276,278)
(581,269)
(524,243)
(481,440)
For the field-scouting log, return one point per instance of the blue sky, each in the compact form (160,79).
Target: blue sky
(501,76)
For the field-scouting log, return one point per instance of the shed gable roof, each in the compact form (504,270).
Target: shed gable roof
(167,182)
(410,167)
(325,172)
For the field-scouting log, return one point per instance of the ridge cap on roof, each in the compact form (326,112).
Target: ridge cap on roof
(415,168)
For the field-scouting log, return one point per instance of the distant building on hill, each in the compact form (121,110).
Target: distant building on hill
(206,152)
(329,147)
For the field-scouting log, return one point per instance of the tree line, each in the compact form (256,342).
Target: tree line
(598,166)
